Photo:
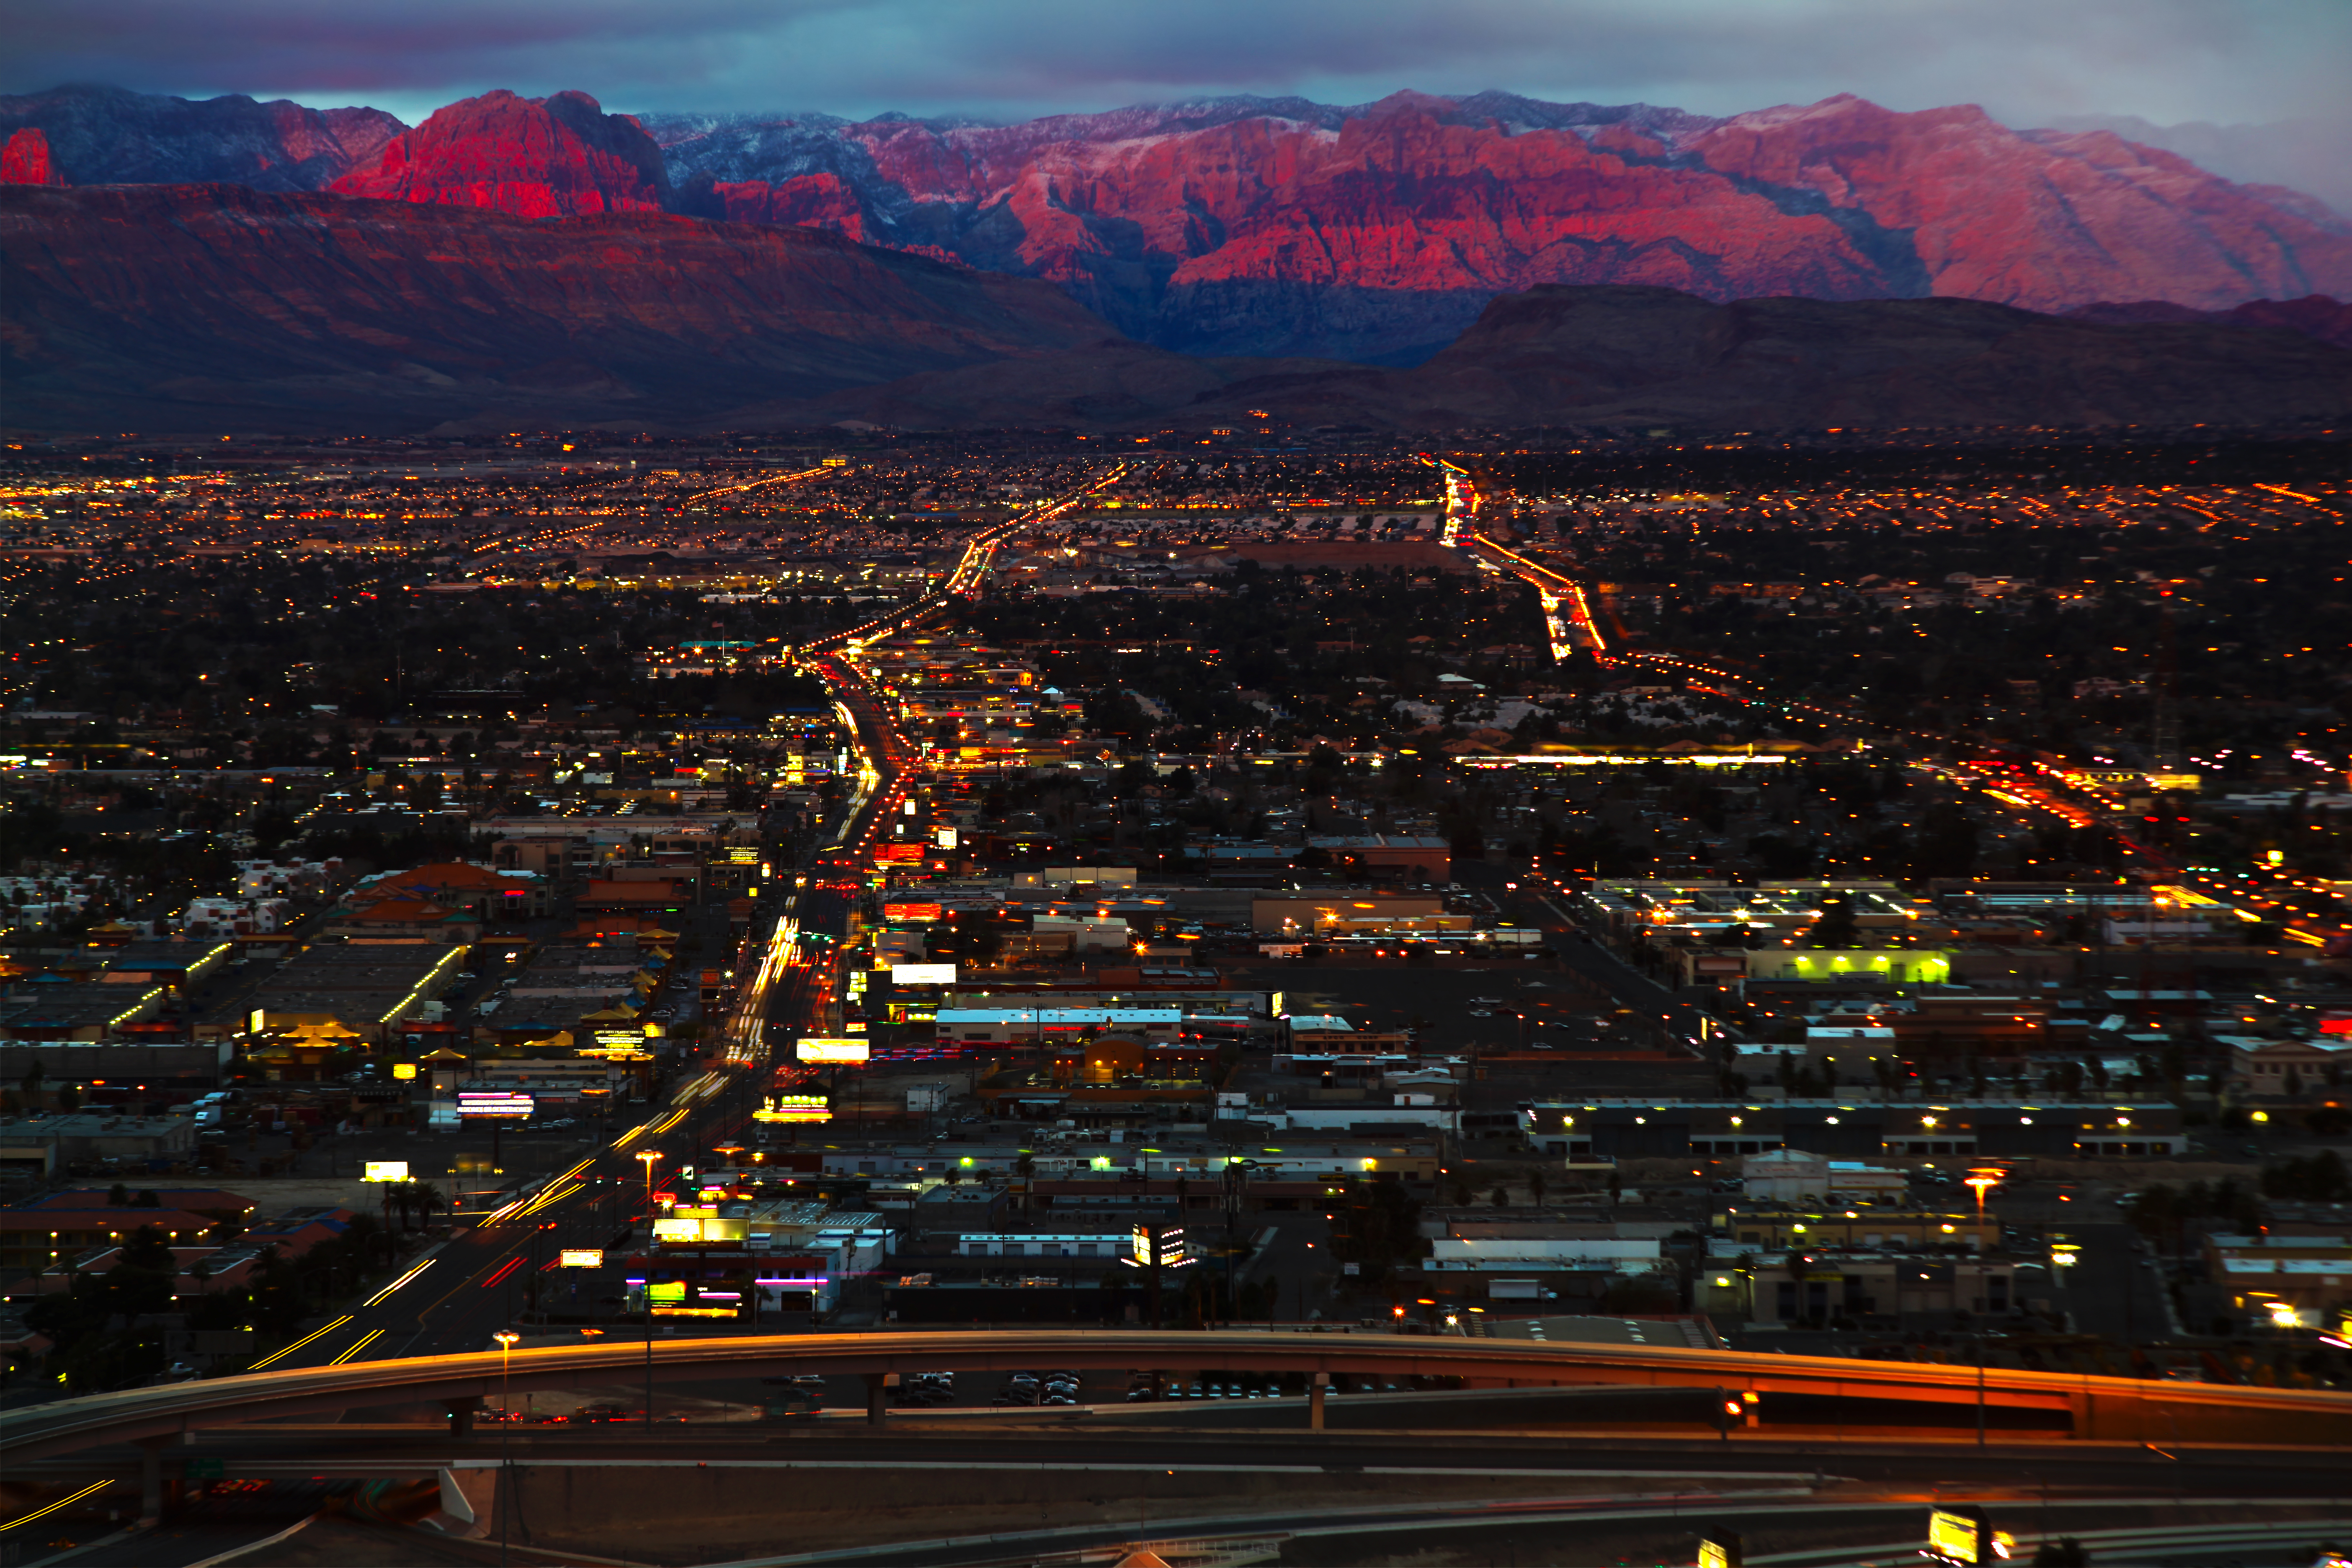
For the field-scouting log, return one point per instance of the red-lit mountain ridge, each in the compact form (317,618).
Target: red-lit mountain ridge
(1258,225)
(534,157)
(1381,232)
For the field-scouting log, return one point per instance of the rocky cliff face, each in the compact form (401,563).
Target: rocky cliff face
(1376,233)
(104,135)
(24,160)
(534,157)
(2048,220)
(194,308)
(1261,226)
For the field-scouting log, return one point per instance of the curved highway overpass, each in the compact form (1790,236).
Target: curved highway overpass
(2096,1408)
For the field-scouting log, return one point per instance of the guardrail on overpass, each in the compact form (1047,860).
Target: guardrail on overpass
(2097,1408)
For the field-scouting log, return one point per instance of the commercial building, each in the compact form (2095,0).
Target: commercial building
(742,1258)
(126,1059)
(1787,1289)
(1956,1129)
(1776,1225)
(2267,1066)
(47,1144)
(175,965)
(67,1010)
(1348,912)
(1791,1175)
(36,1238)
(1388,857)
(1774,909)
(2308,1278)
(1066,1153)
(353,992)
(1037,1025)
(566,848)
(223,1266)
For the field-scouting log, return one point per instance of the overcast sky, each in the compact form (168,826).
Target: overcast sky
(2025,60)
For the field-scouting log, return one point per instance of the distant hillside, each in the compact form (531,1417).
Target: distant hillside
(213,308)
(1638,358)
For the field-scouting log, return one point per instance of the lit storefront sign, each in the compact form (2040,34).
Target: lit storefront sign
(511,1107)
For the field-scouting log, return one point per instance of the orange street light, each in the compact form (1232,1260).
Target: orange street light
(1983,1182)
(650,1158)
(506,1338)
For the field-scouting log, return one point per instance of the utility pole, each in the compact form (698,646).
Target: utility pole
(2166,730)
(1981,1388)
(651,1158)
(506,1338)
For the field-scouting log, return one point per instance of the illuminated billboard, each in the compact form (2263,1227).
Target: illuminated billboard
(700,1227)
(1958,1535)
(1163,1245)
(512,1107)
(387,1171)
(580,1258)
(793,1107)
(915,912)
(811,1049)
(922,975)
(944,837)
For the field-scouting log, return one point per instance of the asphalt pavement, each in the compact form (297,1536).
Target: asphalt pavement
(1807,1494)
(2115,1289)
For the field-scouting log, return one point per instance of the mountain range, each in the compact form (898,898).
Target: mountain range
(1413,263)
(1250,226)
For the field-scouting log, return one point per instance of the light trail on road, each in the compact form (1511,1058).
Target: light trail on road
(388,1292)
(267,1360)
(758,484)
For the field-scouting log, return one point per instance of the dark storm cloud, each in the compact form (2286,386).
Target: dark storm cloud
(2027,60)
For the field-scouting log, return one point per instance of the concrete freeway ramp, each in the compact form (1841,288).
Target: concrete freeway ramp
(2094,1408)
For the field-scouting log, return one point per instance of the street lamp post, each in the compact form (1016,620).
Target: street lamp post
(506,1338)
(1982,1181)
(649,1158)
